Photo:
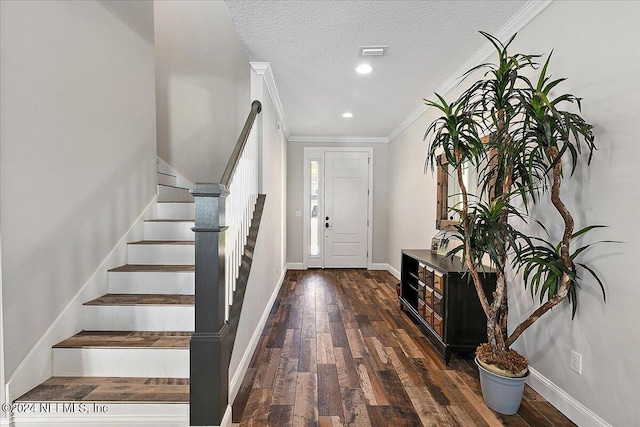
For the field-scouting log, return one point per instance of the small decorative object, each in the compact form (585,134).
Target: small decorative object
(435,244)
(522,138)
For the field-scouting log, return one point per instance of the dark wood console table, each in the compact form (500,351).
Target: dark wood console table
(441,297)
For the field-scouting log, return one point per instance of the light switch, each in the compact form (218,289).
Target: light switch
(298,213)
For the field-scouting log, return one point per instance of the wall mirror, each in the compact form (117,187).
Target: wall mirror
(449,197)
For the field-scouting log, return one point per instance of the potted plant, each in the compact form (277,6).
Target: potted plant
(522,140)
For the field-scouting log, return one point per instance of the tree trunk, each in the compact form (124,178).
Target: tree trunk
(499,306)
(464,216)
(565,256)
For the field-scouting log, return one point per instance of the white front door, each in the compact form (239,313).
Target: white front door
(346,188)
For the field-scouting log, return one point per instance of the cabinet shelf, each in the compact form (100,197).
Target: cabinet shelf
(449,312)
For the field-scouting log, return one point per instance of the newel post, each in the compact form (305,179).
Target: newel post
(209,346)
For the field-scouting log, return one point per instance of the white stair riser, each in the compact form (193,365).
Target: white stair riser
(167,210)
(139,318)
(172,194)
(139,282)
(89,413)
(121,362)
(167,179)
(159,254)
(158,230)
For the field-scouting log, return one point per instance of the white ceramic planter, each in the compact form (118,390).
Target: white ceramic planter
(502,394)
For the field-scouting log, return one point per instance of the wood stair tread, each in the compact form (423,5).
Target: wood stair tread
(153,268)
(163,242)
(143,299)
(110,389)
(169,220)
(126,339)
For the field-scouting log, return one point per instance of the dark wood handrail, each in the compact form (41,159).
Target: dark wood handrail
(256,107)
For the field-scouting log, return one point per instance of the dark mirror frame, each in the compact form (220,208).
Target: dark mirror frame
(444,221)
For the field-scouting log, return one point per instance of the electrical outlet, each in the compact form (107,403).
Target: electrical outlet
(576,362)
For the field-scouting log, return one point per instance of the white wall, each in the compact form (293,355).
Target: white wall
(77,154)
(597,46)
(202,87)
(295,202)
(268,262)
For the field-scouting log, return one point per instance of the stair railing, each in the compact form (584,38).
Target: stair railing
(222,221)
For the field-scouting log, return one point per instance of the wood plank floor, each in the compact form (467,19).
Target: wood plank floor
(337,351)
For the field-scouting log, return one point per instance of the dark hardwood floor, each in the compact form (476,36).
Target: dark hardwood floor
(337,351)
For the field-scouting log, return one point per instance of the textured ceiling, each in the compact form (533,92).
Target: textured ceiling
(313,49)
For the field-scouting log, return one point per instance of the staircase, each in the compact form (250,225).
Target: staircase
(130,364)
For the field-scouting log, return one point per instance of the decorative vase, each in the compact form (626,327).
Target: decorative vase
(502,394)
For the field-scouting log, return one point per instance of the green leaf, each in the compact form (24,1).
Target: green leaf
(595,276)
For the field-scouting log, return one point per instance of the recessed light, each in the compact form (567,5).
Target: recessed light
(364,69)
(347,115)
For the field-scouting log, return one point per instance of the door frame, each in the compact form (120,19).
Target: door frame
(313,153)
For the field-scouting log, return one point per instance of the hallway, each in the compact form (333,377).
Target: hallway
(336,351)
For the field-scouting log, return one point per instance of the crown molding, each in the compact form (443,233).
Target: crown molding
(264,69)
(341,139)
(518,21)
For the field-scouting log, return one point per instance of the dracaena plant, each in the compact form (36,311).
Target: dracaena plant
(533,141)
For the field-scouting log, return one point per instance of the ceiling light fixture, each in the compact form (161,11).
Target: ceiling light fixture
(347,115)
(364,69)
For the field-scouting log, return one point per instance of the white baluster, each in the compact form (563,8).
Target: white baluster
(243,194)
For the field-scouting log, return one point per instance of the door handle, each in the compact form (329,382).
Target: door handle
(326,225)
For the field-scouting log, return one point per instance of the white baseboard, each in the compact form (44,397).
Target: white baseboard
(37,366)
(374,266)
(238,376)
(393,271)
(295,266)
(565,403)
